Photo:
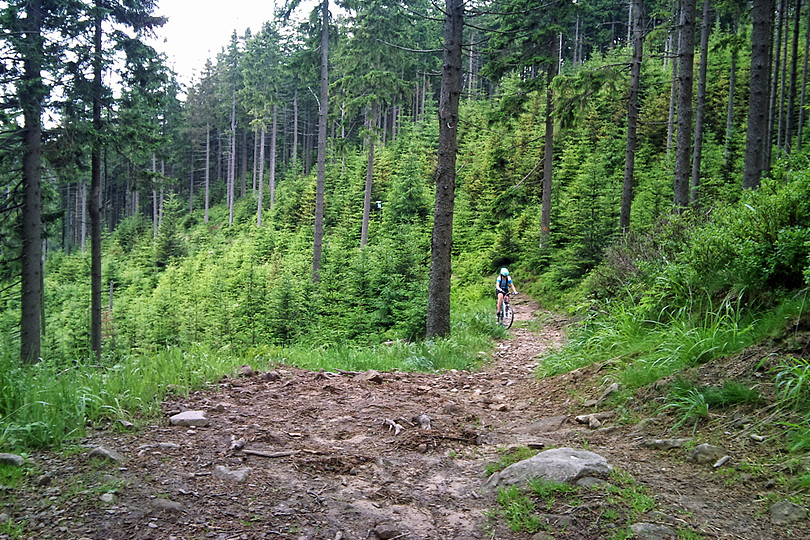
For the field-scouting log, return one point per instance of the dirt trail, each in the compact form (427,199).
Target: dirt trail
(349,456)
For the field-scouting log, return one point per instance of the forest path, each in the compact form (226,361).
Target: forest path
(335,456)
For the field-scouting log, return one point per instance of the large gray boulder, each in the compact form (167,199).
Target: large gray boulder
(556,465)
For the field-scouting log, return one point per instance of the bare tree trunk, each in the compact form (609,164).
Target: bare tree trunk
(295,128)
(732,85)
(548,151)
(255,158)
(273,138)
(260,205)
(800,127)
(793,67)
(30,93)
(232,161)
(207,170)
(780,130)
(369,180)
(83,221)
(243,172)
(94,200)
(438,312)
(154,198)
(323,117)
(191,183)
(777,57)
(701,102)
(686,57)
(632,116)
(673,90)
(758,136)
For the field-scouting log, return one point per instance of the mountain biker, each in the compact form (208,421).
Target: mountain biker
(502,284)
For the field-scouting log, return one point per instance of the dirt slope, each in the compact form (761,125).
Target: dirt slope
(350,456)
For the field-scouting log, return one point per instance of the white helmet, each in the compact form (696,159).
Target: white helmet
(504,272)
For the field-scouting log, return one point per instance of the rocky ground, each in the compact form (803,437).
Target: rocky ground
(302,455)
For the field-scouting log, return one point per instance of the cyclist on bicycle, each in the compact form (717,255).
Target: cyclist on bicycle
(502,284)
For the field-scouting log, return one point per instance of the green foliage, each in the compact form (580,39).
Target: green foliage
(793,382)
(509,456)
(518,510)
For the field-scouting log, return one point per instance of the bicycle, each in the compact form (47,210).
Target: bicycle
(506,316)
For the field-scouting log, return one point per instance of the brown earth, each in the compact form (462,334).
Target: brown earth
(343,456)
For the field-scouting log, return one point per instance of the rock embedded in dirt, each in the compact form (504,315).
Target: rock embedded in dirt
(12,459)
(103,452)
(665,444)
(557,465)
(107,498)
(388,530)
(371,376)
(189,418)
(706,453)
(546,425)
(246,371)
(786,512)
(168,505)
(653,531)
(233,475)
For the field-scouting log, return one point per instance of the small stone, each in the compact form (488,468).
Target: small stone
(246,371)
(168,446)
(706,453)
(4,517)
(270,376)
(168,505)
(105,453)
(189,418)
(371,376)
(590,482)
(388,530)
(653,531)
(12,459)
(125,424)
(665,444)
(107,498)
(786,512)
(234,475)
(594,423)
(591,403)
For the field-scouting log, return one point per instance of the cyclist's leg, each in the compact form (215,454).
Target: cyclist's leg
(500,302)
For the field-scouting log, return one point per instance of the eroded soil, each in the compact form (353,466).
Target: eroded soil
(344,456)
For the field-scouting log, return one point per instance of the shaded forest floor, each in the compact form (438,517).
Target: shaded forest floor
(297,454)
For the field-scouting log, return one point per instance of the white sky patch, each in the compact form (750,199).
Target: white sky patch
(199,29)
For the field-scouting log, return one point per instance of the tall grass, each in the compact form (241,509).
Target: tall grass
(643,349)
(47,404)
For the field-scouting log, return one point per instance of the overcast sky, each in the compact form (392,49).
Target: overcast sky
(199,29)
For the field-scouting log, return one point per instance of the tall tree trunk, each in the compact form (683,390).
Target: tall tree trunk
(232,161)
(757,137)
(548,151)
(780,130)
(191,183)
(632,116)
(732,86)
(774,83)
(272,167)
(207,170)
(30,93)
(255,158)
(793,68)
(94,201)
(800,127)
(154,198)
(686,57)
(369,180)
(243,172)
(675,44)
(323,116)
(295,129)
(701,102)
(438,313)
(260,205)
(83,221)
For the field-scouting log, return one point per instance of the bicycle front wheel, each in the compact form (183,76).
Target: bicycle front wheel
(508,316)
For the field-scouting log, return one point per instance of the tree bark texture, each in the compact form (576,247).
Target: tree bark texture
(272,165)
(632,115)
(438,313)
(323,112)
(776,61)
(686,58)
(790,116)
(369,180)
(260,204)
(94,200)
(207,170)
(30,92)
(701,102)
(757,137)
(800,127)
(548,149)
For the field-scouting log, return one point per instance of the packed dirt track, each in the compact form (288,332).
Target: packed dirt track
(294,454)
